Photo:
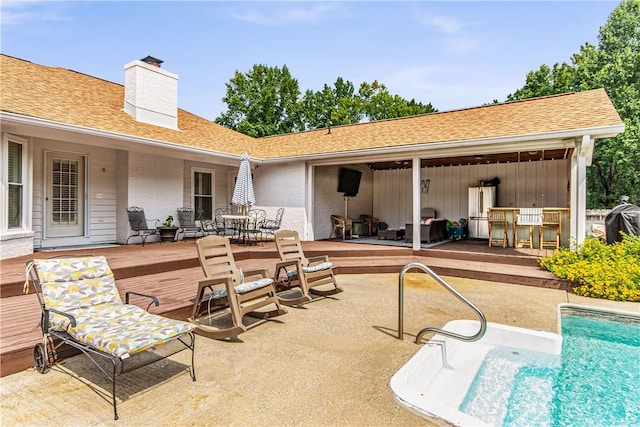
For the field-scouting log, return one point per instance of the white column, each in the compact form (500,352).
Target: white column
(578,192)
(416,203)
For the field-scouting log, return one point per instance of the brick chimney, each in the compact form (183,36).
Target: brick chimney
(151,93)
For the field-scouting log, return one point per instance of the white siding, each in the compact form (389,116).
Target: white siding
(284,186)
(527,184)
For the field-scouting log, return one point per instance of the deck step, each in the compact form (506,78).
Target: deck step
(171,273)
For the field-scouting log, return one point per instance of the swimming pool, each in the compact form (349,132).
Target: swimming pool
(586,375)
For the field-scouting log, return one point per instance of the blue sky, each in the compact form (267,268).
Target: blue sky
(453,54)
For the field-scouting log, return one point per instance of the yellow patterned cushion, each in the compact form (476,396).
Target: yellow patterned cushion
(70,283)
(120,329)
(85,288)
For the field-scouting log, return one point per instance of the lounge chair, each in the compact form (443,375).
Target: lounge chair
(225,282)
(316,271)
(188,225)
(140,225)
(82,309)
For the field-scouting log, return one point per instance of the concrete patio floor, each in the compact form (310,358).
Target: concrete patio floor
(328,363)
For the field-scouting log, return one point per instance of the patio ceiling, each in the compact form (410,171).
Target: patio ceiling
(512,157)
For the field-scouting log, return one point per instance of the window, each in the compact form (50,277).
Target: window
(14,165)
(203,193)
(64,188)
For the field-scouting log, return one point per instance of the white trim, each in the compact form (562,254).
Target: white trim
(309,230)
(82,198)
(27,187)
(49,124)
(192,195)
(578,189)
(521,142)
(416,203)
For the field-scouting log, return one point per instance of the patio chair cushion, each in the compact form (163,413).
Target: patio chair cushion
(243,288)
(312,269)
(119,329)
(68,284)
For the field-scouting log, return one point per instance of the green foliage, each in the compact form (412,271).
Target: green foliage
(262,102)
(546,81)
(615,66)
(600,270)
(378,103)
(168,222)
(266,101)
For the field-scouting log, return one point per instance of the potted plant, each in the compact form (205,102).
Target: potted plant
(168,230)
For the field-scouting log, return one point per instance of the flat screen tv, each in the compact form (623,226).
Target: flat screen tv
(349,182)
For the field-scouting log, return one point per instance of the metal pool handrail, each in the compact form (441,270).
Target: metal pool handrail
(420,266)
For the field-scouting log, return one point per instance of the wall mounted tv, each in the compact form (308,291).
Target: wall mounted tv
(349,182)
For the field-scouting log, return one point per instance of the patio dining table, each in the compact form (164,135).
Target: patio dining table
(240,222)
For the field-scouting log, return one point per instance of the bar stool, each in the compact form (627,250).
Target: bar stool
(497,218)
(550,220)
(528,217)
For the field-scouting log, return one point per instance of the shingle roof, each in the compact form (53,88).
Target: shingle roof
(61,95)
(73,98)
(579,110)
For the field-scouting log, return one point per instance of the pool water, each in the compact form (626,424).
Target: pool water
(594,382)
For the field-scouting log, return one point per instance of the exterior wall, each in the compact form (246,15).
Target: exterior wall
(122,196)
(155,184)
(530,184)
(151,94)
(101,193)
(284,186)
(327,201)
(16,244)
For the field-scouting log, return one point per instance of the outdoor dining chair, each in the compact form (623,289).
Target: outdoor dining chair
(270,226)
(188,224)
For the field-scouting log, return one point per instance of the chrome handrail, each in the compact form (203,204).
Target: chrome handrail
(417,265)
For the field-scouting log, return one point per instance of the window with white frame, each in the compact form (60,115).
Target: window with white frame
(203,192)
(14,155)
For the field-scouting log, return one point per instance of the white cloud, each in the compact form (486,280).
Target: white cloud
(443,24)
(30,11)
(279,16)
(459,45)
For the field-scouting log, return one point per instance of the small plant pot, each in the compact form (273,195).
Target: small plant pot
(168,234)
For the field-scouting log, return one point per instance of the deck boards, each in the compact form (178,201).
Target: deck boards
(171,273)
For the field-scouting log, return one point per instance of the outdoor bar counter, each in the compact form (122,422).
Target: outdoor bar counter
(523,231)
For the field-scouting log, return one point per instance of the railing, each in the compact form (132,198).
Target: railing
(417,265)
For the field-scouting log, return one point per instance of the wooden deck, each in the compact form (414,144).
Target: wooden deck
(170,271)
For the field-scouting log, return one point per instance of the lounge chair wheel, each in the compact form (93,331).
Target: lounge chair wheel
(40,358)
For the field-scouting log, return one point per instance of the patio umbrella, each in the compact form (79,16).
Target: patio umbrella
(243,192)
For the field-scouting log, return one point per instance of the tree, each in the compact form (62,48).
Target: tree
(379,104)
(615,66)
(262,102)
(332,106)
(547,81)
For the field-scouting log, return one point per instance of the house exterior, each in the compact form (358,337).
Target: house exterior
(76,151)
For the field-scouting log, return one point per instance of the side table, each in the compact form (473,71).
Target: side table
(390,233)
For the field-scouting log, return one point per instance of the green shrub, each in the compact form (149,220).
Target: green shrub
(600,270)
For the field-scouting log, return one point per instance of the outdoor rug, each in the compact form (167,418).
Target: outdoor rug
(401,243)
